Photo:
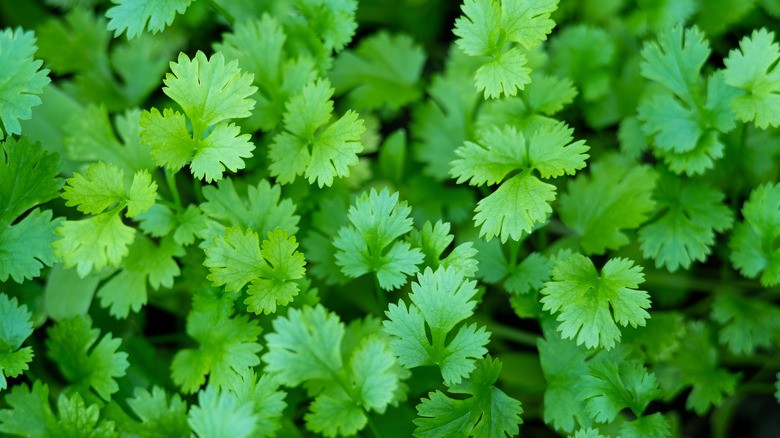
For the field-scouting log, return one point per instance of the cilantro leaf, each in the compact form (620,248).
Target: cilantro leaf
(210,92)
(685,126)
(434,239)
(523,200)
(611,387)
(219,414)
(748,323)
(20,80)
(618,197)
(753,69)
(69,345)
(228,345)
(93,243)
(442,300)
(753,244)
(696,364)
(584,54)
(145,262)
(444,120)
(382,71)
(238,259)
(258,47)
(159,416)
(27,178)
(489,412)
(16,327)
(265,396)
(304,346)
(690,213)
(159,221)
(132,15)
(647,426)
(262,210)
(91,138)
(31,415)
(307,147)
(368,245)
(590,304)
(488,28)
(563,363)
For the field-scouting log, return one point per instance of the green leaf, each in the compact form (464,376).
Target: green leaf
(237,259)
(685,126)
(94,243)
(310,148)
(444,121)
(748,323)
(441,300)
(563,364)
(69,345)
(94,193)
(227,347)
(210,92)
(647,426)
(584,54)
(20,80)
(16,327)
(146,261)
(696,365)
(258,47)
(27,178)
(304,346)
(220,415)
(612,387)
(753,244)
(753,69)
(382,71)
(488,413)
(434,239)
(267,399)
(132,15)
(523,200)
(369,244)
(485,29)
(618,197)
(262,210)
(335,414)
(690,213)
(590,304)
(31,415)
(159,417)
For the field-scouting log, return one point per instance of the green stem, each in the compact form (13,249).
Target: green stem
(514,248)
(223,12)
(511,334)
(381,297)
(372,426)
(170,178)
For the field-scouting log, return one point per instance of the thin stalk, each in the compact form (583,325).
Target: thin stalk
(170,179)
(223,12)
(511,334)
(381,298)
(372,426)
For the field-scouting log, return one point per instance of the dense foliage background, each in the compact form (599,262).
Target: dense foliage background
(389,218)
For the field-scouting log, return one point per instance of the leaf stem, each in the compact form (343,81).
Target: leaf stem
(170,179)
(511,333)
(381,298)
(372,426)
(223,12)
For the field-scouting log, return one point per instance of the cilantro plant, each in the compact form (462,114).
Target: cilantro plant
(389,218)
